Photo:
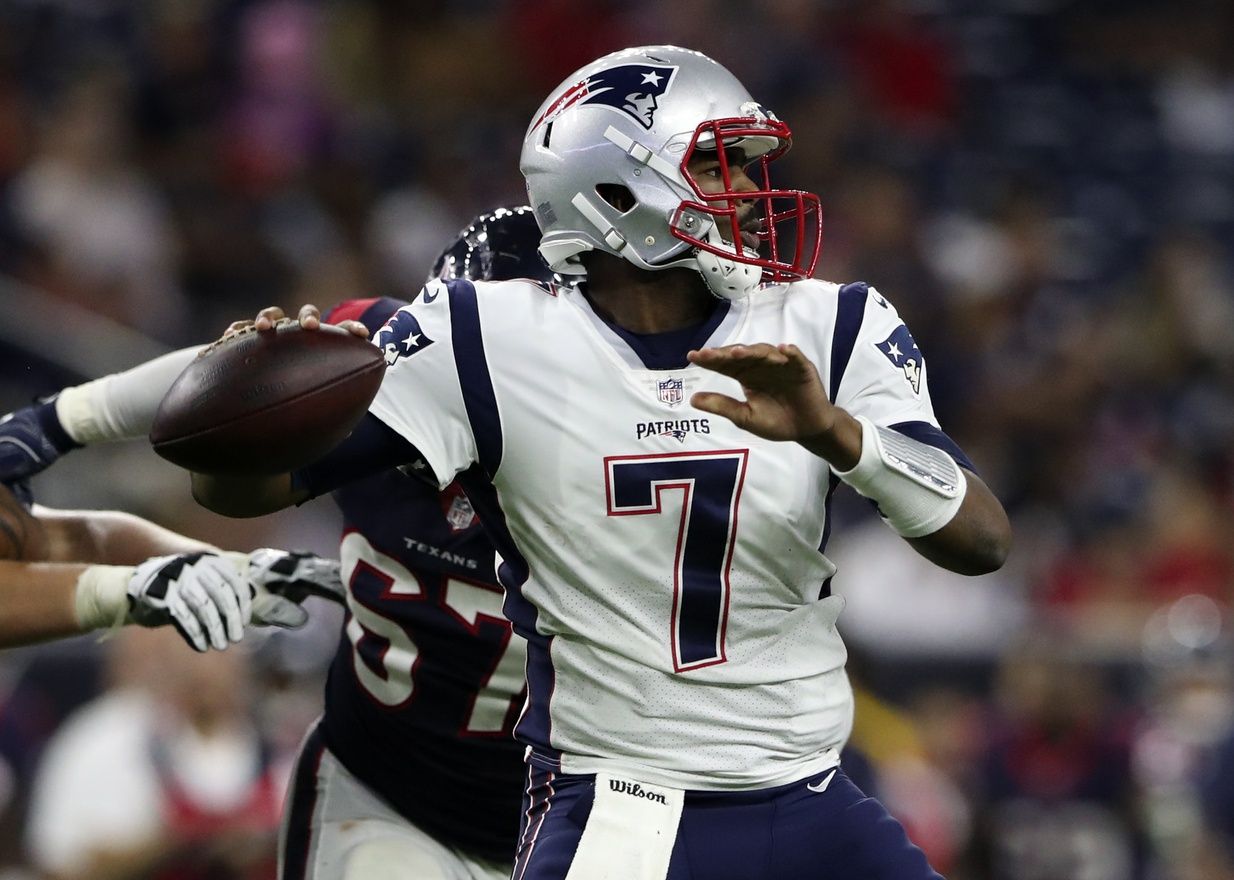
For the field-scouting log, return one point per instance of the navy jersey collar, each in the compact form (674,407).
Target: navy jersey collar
(665,351)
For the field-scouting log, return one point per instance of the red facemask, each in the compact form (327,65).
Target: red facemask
(790,230)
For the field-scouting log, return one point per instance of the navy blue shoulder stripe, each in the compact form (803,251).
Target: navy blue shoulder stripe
(850,311)
(473,374)
(924,432)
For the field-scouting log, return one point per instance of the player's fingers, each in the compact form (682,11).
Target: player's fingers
(763,354)
(310,317)
(225,587)
(759,351)
(244,595)
(327,582)
(718,359)
(186,624)
(796,357)
(738,360)
(720,404)
(267,317)
(236,327)
(716,354)
(272,610)
(355,328)
(206,613)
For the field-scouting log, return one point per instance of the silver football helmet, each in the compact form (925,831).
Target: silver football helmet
(605,160)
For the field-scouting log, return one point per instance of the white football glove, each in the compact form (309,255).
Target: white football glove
(201,594)
(210,599)
(282,580)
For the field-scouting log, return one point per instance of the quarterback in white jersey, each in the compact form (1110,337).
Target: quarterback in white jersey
(674,561)
(653,452)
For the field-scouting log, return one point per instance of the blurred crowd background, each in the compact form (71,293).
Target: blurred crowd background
(1044,188)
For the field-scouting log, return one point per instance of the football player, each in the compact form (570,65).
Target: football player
(412,772)
(652,452)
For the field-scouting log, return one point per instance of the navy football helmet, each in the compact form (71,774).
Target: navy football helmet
(498,246)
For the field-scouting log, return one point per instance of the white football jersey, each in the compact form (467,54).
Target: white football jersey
(666,567)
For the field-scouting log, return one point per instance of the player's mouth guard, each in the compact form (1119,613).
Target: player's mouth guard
(917,488)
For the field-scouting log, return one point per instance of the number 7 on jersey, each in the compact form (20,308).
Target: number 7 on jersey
(710,486)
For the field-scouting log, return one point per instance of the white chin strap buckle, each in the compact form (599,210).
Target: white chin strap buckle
(727,278)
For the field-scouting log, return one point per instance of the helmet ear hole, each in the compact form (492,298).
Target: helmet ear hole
(617,196)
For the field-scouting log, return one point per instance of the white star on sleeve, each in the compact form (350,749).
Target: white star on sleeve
(412,341)
(893,351)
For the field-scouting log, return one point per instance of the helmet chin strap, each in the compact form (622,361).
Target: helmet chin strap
(727,279)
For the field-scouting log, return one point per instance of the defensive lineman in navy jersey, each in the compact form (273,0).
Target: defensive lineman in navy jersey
(686,688)
(421,696)
(412,771)
(411,774)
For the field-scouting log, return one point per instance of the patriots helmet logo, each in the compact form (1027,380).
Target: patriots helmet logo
(905,356)
(402,337)
(632,89)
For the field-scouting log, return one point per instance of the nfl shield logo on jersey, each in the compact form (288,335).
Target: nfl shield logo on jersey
(670,391)
(457,508)
(460,515)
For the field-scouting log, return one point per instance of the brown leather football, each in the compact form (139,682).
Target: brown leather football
(268,402)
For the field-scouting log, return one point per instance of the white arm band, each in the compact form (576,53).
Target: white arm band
(102,597)
(120,406)
(918,488)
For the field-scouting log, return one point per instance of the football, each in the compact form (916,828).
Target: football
(268,402)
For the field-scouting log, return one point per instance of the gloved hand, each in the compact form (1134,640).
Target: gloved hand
(31,439)
(282,580)
(209,598)
(201,594)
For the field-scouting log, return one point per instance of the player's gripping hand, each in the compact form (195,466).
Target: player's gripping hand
(309,318)
(201,594)
(31,439)
(282,580)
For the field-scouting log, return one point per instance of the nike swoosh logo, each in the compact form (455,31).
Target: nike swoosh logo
(429,295)
(821,786)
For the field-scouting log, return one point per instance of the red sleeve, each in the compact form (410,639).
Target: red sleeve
(349,310)
(372,313)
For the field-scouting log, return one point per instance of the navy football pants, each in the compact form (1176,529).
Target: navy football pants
(782,833)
